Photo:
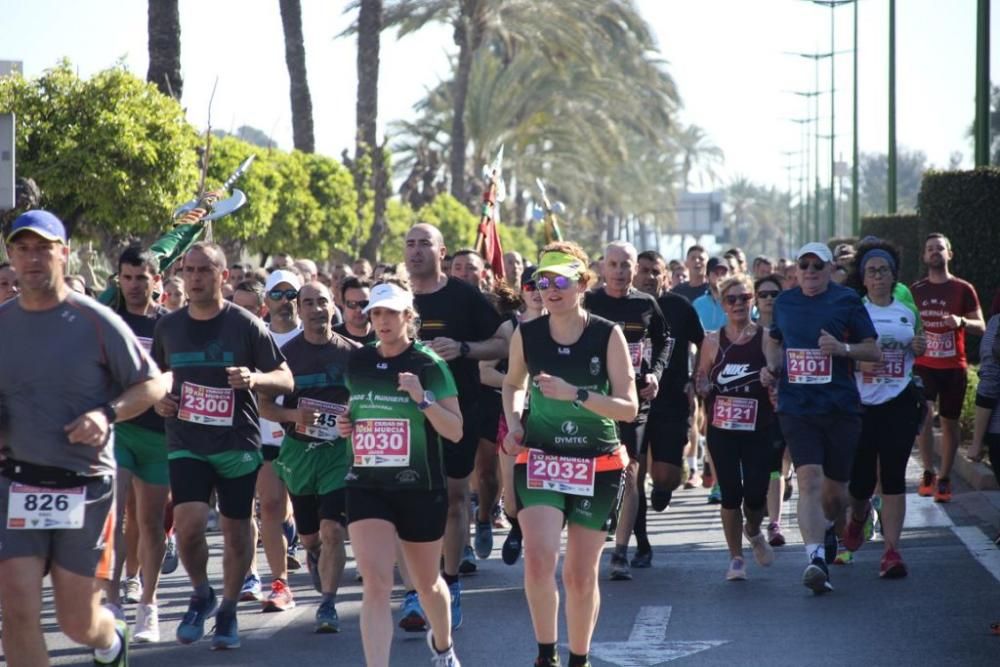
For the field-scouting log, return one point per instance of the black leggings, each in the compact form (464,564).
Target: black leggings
(742,463)
(887,432)
(992,441)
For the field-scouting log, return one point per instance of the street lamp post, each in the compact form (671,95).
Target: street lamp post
(982,124)
(891,185)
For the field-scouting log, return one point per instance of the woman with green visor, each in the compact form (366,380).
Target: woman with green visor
(569,458)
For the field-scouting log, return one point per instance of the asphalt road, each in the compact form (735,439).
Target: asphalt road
(680,611)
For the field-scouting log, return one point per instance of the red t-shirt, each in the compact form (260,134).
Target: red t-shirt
(935,301)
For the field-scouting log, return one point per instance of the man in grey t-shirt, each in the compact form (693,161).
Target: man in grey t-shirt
(69,369)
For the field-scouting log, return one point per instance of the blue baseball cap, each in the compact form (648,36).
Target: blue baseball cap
(40,222)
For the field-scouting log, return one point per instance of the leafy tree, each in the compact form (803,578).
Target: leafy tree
(874,178)
(399,218)
(457,223)
(112,155)
(516,238)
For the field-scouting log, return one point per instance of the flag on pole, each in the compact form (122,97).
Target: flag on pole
(488,236)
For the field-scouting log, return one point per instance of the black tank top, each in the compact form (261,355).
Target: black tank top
(735,378)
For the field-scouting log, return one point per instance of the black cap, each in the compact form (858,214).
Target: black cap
(528,276)
(714,262)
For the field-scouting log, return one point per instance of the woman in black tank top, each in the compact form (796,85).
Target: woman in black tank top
(739,415)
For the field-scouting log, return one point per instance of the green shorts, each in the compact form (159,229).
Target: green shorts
(312,468)
(142,452)
(228,465)
(594,512)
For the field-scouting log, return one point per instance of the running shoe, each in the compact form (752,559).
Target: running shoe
(892,565)
(511,550)
(659,499)
(693,481)
(312,564)
(192,626)
(762,551)
(548,662)
(737,570)
(844,557)
(455,590)
(484,539)
(120,660)
(292,561)
(499,520)
(280,598)
(147,624)
(857,532)
(212,523)
(132,590)
(788,489)
(251,591)
(707,478)
(943,493)
(446,659)
(468,564)
(170,559)
(877,509)
(619,568)
(830,544)
(642,559)
(927,483)
(816,577)
(327,621)
(715,495)
(226,635)
(413,619)
(774,535)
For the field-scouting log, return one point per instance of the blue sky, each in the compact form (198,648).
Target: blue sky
(726,56)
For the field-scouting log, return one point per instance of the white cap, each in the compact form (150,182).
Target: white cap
(388,295)
(279,276)
(821,250)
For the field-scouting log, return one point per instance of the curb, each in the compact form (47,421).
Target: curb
(977,475)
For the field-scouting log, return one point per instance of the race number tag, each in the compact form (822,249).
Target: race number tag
(940,345)
(211,406)
(40,508)
(635,352)
(565,474)
(381,443)
(325,427)
(734,414)
(808,366)
(889,371)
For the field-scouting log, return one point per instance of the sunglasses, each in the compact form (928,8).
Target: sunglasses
(559,282)
(356,304)
(289,294)
(815,266)
(529,287)
(768,294)
(733,299)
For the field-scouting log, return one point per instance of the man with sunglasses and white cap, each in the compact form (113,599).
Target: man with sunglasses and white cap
(820,329)
(69,369)
(281,292)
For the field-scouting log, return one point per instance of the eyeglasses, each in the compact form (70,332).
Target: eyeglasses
(559,282)
(877,271)
(815,266)
(768,294)
(529,287)
(356,304)
(733,299)
(289,294)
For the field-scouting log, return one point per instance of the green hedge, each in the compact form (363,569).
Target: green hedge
(906,230)
(964,206)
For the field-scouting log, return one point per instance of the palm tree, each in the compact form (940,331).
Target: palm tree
(697,149)
(369,34)
(295,57)
(164,30)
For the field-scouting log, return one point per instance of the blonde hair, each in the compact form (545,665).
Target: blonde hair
(729,283)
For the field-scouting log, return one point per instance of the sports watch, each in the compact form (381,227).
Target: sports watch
(428,401)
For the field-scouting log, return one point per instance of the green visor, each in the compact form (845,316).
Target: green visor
(559,263)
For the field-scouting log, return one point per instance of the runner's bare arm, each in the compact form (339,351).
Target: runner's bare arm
(92,427)
(493,347)
(514,385)
(278,413)
(444,414)
(773,354)
(709,348)
(278,381)
(975,323)
(866,350)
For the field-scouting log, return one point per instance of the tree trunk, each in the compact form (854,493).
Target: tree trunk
(164,30)
(295,57)
(457,157)
(369,33)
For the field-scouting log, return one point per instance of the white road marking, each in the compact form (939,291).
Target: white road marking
(923,512)
(646,645)
(981,547)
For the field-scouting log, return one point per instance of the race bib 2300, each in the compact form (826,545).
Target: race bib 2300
(211,406)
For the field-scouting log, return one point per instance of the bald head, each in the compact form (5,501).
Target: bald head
(424,252)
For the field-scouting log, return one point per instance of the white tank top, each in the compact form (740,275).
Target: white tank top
(271,433)
(895,325)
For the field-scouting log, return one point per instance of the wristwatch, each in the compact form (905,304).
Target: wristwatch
(109,412)
(463,349)
(847,349)
(428,401)
(581,397)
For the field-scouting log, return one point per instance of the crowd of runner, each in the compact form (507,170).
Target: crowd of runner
(412,410)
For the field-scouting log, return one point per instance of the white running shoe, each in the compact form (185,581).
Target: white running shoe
(147,624)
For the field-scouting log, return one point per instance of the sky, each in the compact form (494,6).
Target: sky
(728,58)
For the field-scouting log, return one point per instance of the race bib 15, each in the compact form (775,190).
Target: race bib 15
(889,371)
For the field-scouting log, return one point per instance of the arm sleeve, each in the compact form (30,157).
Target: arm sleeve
(696,332)
(128,363)
(439,380)
(159,354)
(659,330)
(970,302)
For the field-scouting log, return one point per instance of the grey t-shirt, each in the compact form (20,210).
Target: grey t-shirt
(56,365)
(212,418)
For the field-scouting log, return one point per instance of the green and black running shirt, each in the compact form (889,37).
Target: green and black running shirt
(562,427)
(320,385)
(394,446)
(213,418)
